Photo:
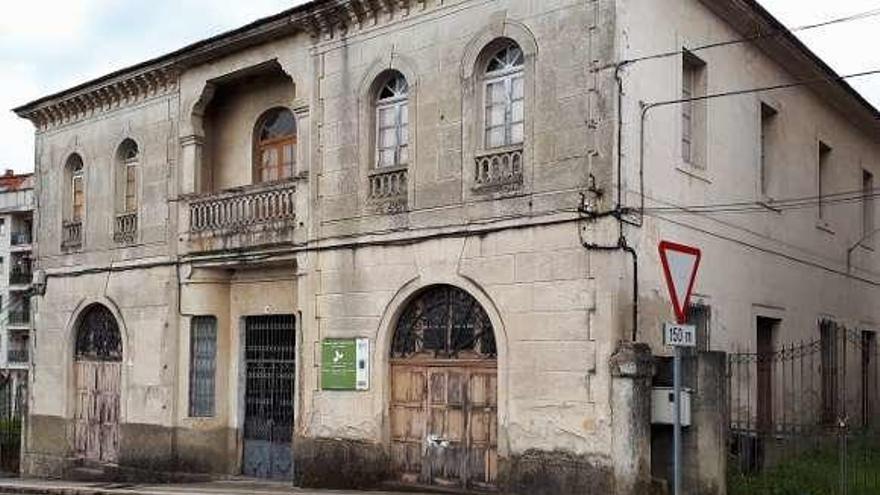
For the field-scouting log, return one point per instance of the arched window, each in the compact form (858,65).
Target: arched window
(392,122)
(504,97)
(275,144)
(77,188)
(97,335)
(444,321)
(128,157)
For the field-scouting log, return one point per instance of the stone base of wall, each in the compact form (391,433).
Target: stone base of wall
(146,453)
(339,464)
(539,472)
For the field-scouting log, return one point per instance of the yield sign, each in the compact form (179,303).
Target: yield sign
(680,265)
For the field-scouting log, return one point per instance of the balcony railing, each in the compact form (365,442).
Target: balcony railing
(19,317)
(17,355)
(499,171)
(20,276)
(388,189)
(125,228)
(20,238)
(71,235)
(239,209)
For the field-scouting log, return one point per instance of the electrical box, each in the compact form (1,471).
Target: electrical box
(663,406)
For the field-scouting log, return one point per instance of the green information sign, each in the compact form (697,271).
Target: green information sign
(344,364)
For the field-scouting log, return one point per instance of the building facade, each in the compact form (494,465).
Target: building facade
(442,189)
(16,223)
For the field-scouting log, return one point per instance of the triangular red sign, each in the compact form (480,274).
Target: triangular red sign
(680,265)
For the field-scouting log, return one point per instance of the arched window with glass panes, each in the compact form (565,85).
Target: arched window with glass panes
(504,84)
(275,146)
(392,122)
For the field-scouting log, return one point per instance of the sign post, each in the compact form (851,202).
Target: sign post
(680,265)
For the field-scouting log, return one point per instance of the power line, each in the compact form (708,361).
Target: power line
(773,205)
(778,32)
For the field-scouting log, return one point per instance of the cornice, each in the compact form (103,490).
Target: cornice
(322,19)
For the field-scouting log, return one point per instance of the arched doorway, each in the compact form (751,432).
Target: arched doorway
(444,385)
(97,371)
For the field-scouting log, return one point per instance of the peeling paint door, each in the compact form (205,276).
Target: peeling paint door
(444,422)
(269,388)
(98,374)
(96,427)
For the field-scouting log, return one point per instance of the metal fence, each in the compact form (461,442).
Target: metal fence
(804,416)
(13,402)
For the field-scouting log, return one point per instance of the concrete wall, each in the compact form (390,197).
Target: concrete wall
(786,264)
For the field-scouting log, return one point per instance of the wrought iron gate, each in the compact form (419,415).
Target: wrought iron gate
(269,391)
(803,417)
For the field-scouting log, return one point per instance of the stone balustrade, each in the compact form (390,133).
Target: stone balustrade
(388,188)
(241,208)
(499,170)
(125,228)
(71,235)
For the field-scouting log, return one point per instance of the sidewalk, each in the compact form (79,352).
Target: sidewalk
(236,487)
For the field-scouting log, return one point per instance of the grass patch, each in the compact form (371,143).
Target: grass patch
(815,472)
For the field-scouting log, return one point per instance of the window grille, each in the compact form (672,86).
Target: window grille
(97,336)
(203,363)
(445,322)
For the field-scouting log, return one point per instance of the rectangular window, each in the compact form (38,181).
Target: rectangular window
(867,206)
(829,369)
(392,134)
(768,123)
(202,365)
(693,113)
(130,188)
(78,199)
(505,110)
(823,175)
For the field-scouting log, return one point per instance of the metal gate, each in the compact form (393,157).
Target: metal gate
(13,403)
(269,391)
(803,416)
(97,370)
(444,392)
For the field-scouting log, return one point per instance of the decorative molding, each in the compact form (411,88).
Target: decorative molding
(323,21)
(91,101)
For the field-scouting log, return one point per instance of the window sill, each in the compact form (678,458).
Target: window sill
(387,170)
(824,226)
(698,173)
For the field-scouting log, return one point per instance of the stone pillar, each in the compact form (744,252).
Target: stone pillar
(706,473)
(190,164)
(632,366)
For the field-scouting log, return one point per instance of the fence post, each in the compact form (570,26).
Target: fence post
(632,367)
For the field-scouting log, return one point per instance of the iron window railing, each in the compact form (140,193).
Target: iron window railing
(17,355)
(20,238)
(19,316)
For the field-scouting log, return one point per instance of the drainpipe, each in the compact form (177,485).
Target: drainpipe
(623,246)
(857,244)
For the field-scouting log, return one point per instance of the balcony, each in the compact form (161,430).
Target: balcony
(388,189)
(499,171)
(20,238)
(71,235)
(19,317)
(242,217)
(125,228)
(20,276)
(17,355)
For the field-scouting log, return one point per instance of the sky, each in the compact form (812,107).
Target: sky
(50,45)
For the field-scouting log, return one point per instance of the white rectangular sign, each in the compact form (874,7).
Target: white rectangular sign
(362,373)
(679,335)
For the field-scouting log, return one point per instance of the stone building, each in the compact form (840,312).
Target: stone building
(370,241)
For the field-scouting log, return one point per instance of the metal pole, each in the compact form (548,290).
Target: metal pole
(676,428)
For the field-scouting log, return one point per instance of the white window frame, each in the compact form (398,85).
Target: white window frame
(77,175)
(397,104)
(507,76)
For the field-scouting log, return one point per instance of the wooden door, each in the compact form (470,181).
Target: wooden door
(444,423)
(96,420)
